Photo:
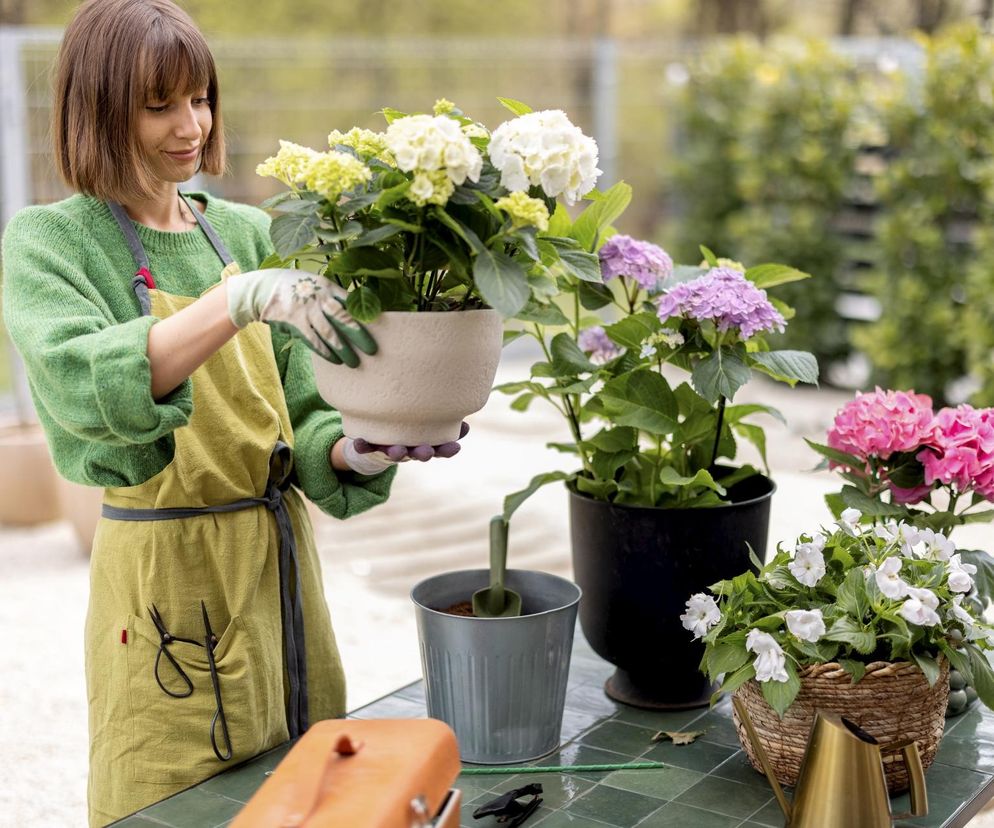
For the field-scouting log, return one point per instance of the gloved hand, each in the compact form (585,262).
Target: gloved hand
(310,307)
(368,458)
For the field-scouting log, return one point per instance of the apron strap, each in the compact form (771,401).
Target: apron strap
(142,281)
(209,231)
(291,593)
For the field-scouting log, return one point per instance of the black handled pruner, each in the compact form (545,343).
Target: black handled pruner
(210,642)
(165,639)
(508,810)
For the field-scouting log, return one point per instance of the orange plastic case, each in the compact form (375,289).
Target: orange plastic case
(353,773)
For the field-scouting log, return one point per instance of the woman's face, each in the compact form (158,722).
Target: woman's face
(173,132)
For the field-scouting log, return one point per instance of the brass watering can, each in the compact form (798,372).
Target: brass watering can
(842,782)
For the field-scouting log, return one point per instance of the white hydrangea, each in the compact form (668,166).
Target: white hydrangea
(426,143)
(546,150)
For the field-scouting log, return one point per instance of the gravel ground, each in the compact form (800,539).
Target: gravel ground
(435,520)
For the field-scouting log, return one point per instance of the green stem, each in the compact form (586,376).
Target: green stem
(717,434)
(562,768)
(571,417)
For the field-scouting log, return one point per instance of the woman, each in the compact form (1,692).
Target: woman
(208,639)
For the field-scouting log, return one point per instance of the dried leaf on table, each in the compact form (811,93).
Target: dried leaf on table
(678,738)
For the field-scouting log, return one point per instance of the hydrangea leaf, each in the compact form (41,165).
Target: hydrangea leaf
(720,375)
(501,281)
(548,315)
(515,499)
(292,231)
(567,358)
(849,460)
(855,499)
(517,107)
(642,399)
(983,675)
(632,330)
(771,275)
(600,214)
(615,439)
(671,477)
(787,366)
(363,305)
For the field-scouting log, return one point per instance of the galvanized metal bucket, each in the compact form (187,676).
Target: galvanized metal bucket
(499,683)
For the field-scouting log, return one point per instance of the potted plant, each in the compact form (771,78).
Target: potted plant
(856,620)
(654,514)
(496,658)
(932,471)
(432,227)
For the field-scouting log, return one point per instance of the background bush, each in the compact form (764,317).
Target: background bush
(763,164)
(937,200)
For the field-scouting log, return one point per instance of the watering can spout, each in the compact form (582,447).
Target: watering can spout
(763,759)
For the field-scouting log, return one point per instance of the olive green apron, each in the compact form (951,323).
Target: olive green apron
(221,525)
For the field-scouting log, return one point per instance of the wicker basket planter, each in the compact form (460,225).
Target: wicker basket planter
(892,703)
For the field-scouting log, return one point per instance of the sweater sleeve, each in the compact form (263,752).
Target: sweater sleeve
(89,373)
(316,425)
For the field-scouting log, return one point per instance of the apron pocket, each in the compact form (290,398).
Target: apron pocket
(171,737)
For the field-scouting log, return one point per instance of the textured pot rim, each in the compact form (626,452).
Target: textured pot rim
(736,505)
(513,618)
(438,313)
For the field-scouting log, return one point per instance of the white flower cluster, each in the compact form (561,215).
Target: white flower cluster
(702,614)
(437,151)
(546,150)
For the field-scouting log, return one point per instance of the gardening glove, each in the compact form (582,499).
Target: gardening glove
(368,458)
(308,306)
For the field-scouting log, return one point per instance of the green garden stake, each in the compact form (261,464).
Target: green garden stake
(495,601)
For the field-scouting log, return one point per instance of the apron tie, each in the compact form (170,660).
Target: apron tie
(291,602)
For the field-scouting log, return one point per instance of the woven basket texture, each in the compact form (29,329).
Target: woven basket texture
(892,702)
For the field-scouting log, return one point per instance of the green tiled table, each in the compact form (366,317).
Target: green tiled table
(708,784)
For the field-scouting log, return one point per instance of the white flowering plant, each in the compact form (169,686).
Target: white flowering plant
(436,213)
(852,594)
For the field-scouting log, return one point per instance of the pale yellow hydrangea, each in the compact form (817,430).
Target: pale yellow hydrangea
(365,142)
(434,187)
(475,131)
(525,211)
(731,264)
(443,107)
(333,173)
(289,165)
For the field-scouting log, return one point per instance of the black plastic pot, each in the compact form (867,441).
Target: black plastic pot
(637,566)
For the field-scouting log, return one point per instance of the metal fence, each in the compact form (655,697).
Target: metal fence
(620,92)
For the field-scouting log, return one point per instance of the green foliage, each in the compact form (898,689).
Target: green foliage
(657,445)
(765,159)
(935,280)
(434,239)
(859,597)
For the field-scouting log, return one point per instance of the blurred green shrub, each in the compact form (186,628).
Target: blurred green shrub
(765,160)
(936,270)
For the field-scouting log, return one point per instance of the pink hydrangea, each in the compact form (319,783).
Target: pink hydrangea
(963,453)
(881,423)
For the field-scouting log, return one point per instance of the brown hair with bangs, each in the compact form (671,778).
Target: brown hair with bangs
(115,57)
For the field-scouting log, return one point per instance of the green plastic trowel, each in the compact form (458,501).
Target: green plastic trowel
(495,601)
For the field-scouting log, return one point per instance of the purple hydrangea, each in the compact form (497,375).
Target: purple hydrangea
(596,342)
(725,296)
(642,261)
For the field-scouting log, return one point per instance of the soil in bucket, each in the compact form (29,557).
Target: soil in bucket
(464,608)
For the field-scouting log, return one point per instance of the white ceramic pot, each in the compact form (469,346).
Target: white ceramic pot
(27,476)
(430,372)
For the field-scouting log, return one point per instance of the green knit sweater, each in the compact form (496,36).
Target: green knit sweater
(72,314)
